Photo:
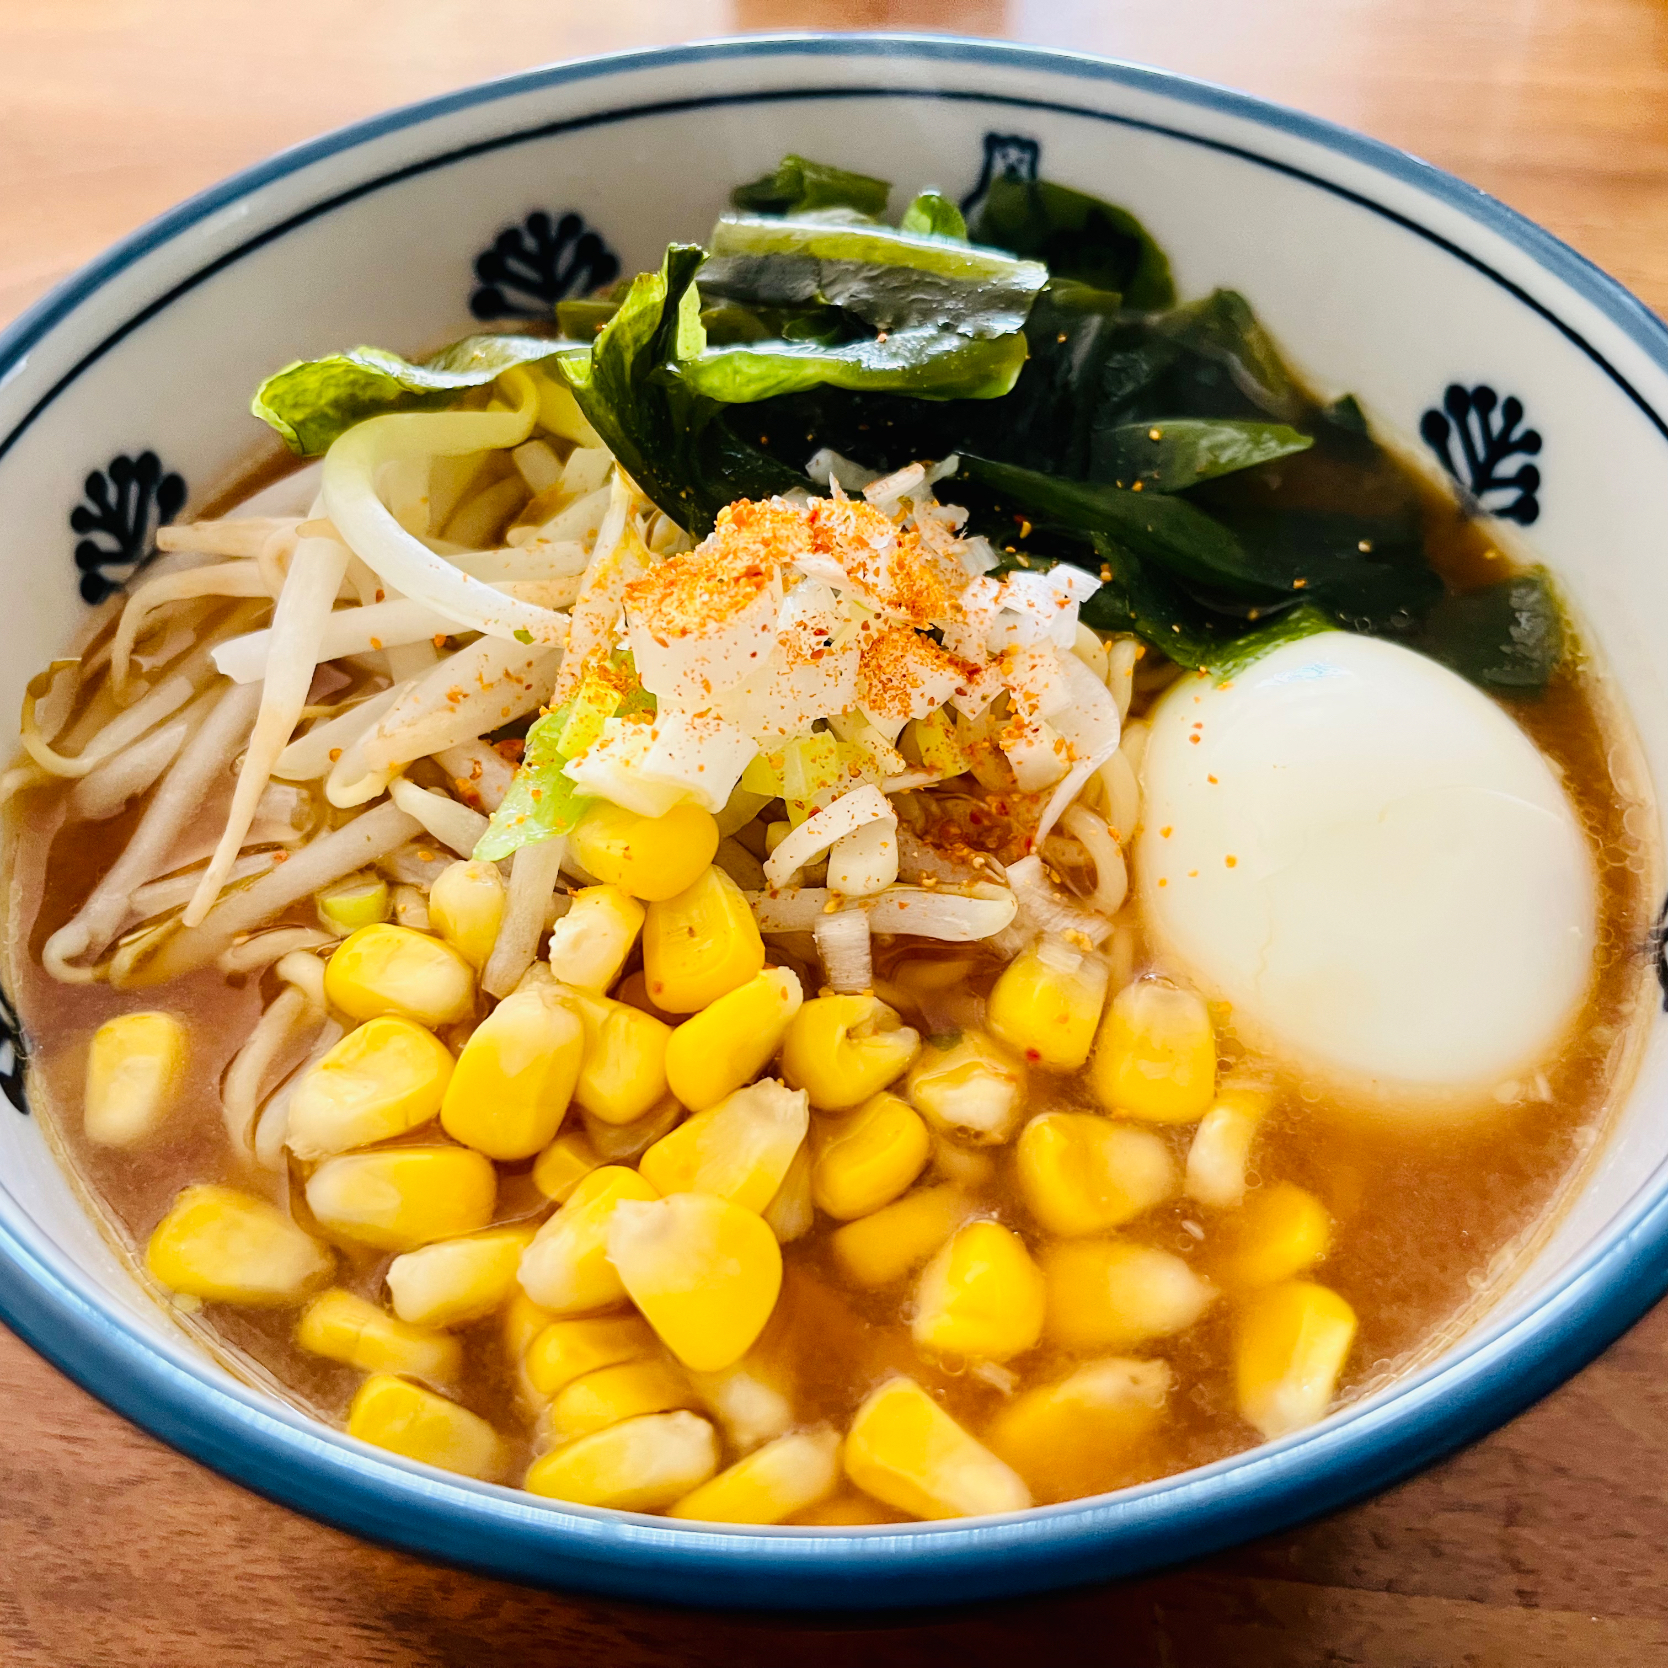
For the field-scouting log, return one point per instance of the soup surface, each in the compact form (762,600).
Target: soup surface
(575,1057)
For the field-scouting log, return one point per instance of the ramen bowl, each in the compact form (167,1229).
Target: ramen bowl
(1474,339)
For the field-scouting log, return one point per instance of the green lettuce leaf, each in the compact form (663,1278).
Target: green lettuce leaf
(800,186)
(313,401)
(932,214)
(1076,236)
(541,802)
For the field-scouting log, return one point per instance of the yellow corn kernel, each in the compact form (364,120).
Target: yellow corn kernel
(1079,1436)
(626,1143)
(589,945)
(728,1043)
(981,1297)
(1290,1345)
(1111,1294)
(843,1049)
(230,1247)
(563,1165)
(1080,1174)
(571,1349)
(627,1390)
(649,857)
(704,1272)
(741,1149)
(1221,1145)
(641,1465)
(623,1077)
(789,1475)
(359,901)
(342,1327)
(394,970)
(466,906)
(844,1511)
(134,1068)
(1047,1004)
(966,1085)
(903,1448)
(701,944)
(515,1076)
(456,1281)
(868,1159)
(380,1080)
(752,1400)
(566,1269)
(397,1198)
(1156,1056)
(1277,1234)
(791,1214)
(405,1419)
(878,1249)
(522,1321)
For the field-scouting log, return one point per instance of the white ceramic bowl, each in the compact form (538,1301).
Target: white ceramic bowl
(123,394)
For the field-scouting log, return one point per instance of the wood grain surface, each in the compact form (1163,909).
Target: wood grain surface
(1541,1547)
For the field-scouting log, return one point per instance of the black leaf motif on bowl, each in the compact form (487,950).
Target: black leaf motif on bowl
(126,502)
(531,267)
(1657,947)
(1008,156)
(14,1055)
(1476,434)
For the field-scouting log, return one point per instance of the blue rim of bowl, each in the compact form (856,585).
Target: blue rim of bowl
(1490,1376)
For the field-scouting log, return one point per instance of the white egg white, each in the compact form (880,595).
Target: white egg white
(1368,860)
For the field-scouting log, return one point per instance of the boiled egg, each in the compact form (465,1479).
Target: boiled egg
(1373,866)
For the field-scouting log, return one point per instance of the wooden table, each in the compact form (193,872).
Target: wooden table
(1543,1545)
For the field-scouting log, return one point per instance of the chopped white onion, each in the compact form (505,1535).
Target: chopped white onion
(843,943)
(815,835)
(864,861)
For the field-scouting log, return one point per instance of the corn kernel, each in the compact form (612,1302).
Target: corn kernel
(1290,1345)
(728,1043)
(230,1247)
(563,1165)
(843,1049)
(650,857)
(791,1214)
(1221,1146)
(868,1159)
(405,1419)
(359,901)
(626,1143)
(739,1150)
(523,1321)
(342,1327)
(570,1349)
(903,1448)
(627,1390)
(624,1072)
(380,1080)
(1111,1294)
(878,1249)
(515,1076)
(1156,1056)
(704,1272)
(591,942)
(968,1086)
(393,970)
(1080,1174)
(844,1511)
(1047,1004)
(456,1281)
(1081,1435)
(701,944)
(981,1297)
(752,1400)
(566,1269)
(134,1068)
(1277,1234)
(466,907)
(397,1198)
(789,1475)
(641,1465)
